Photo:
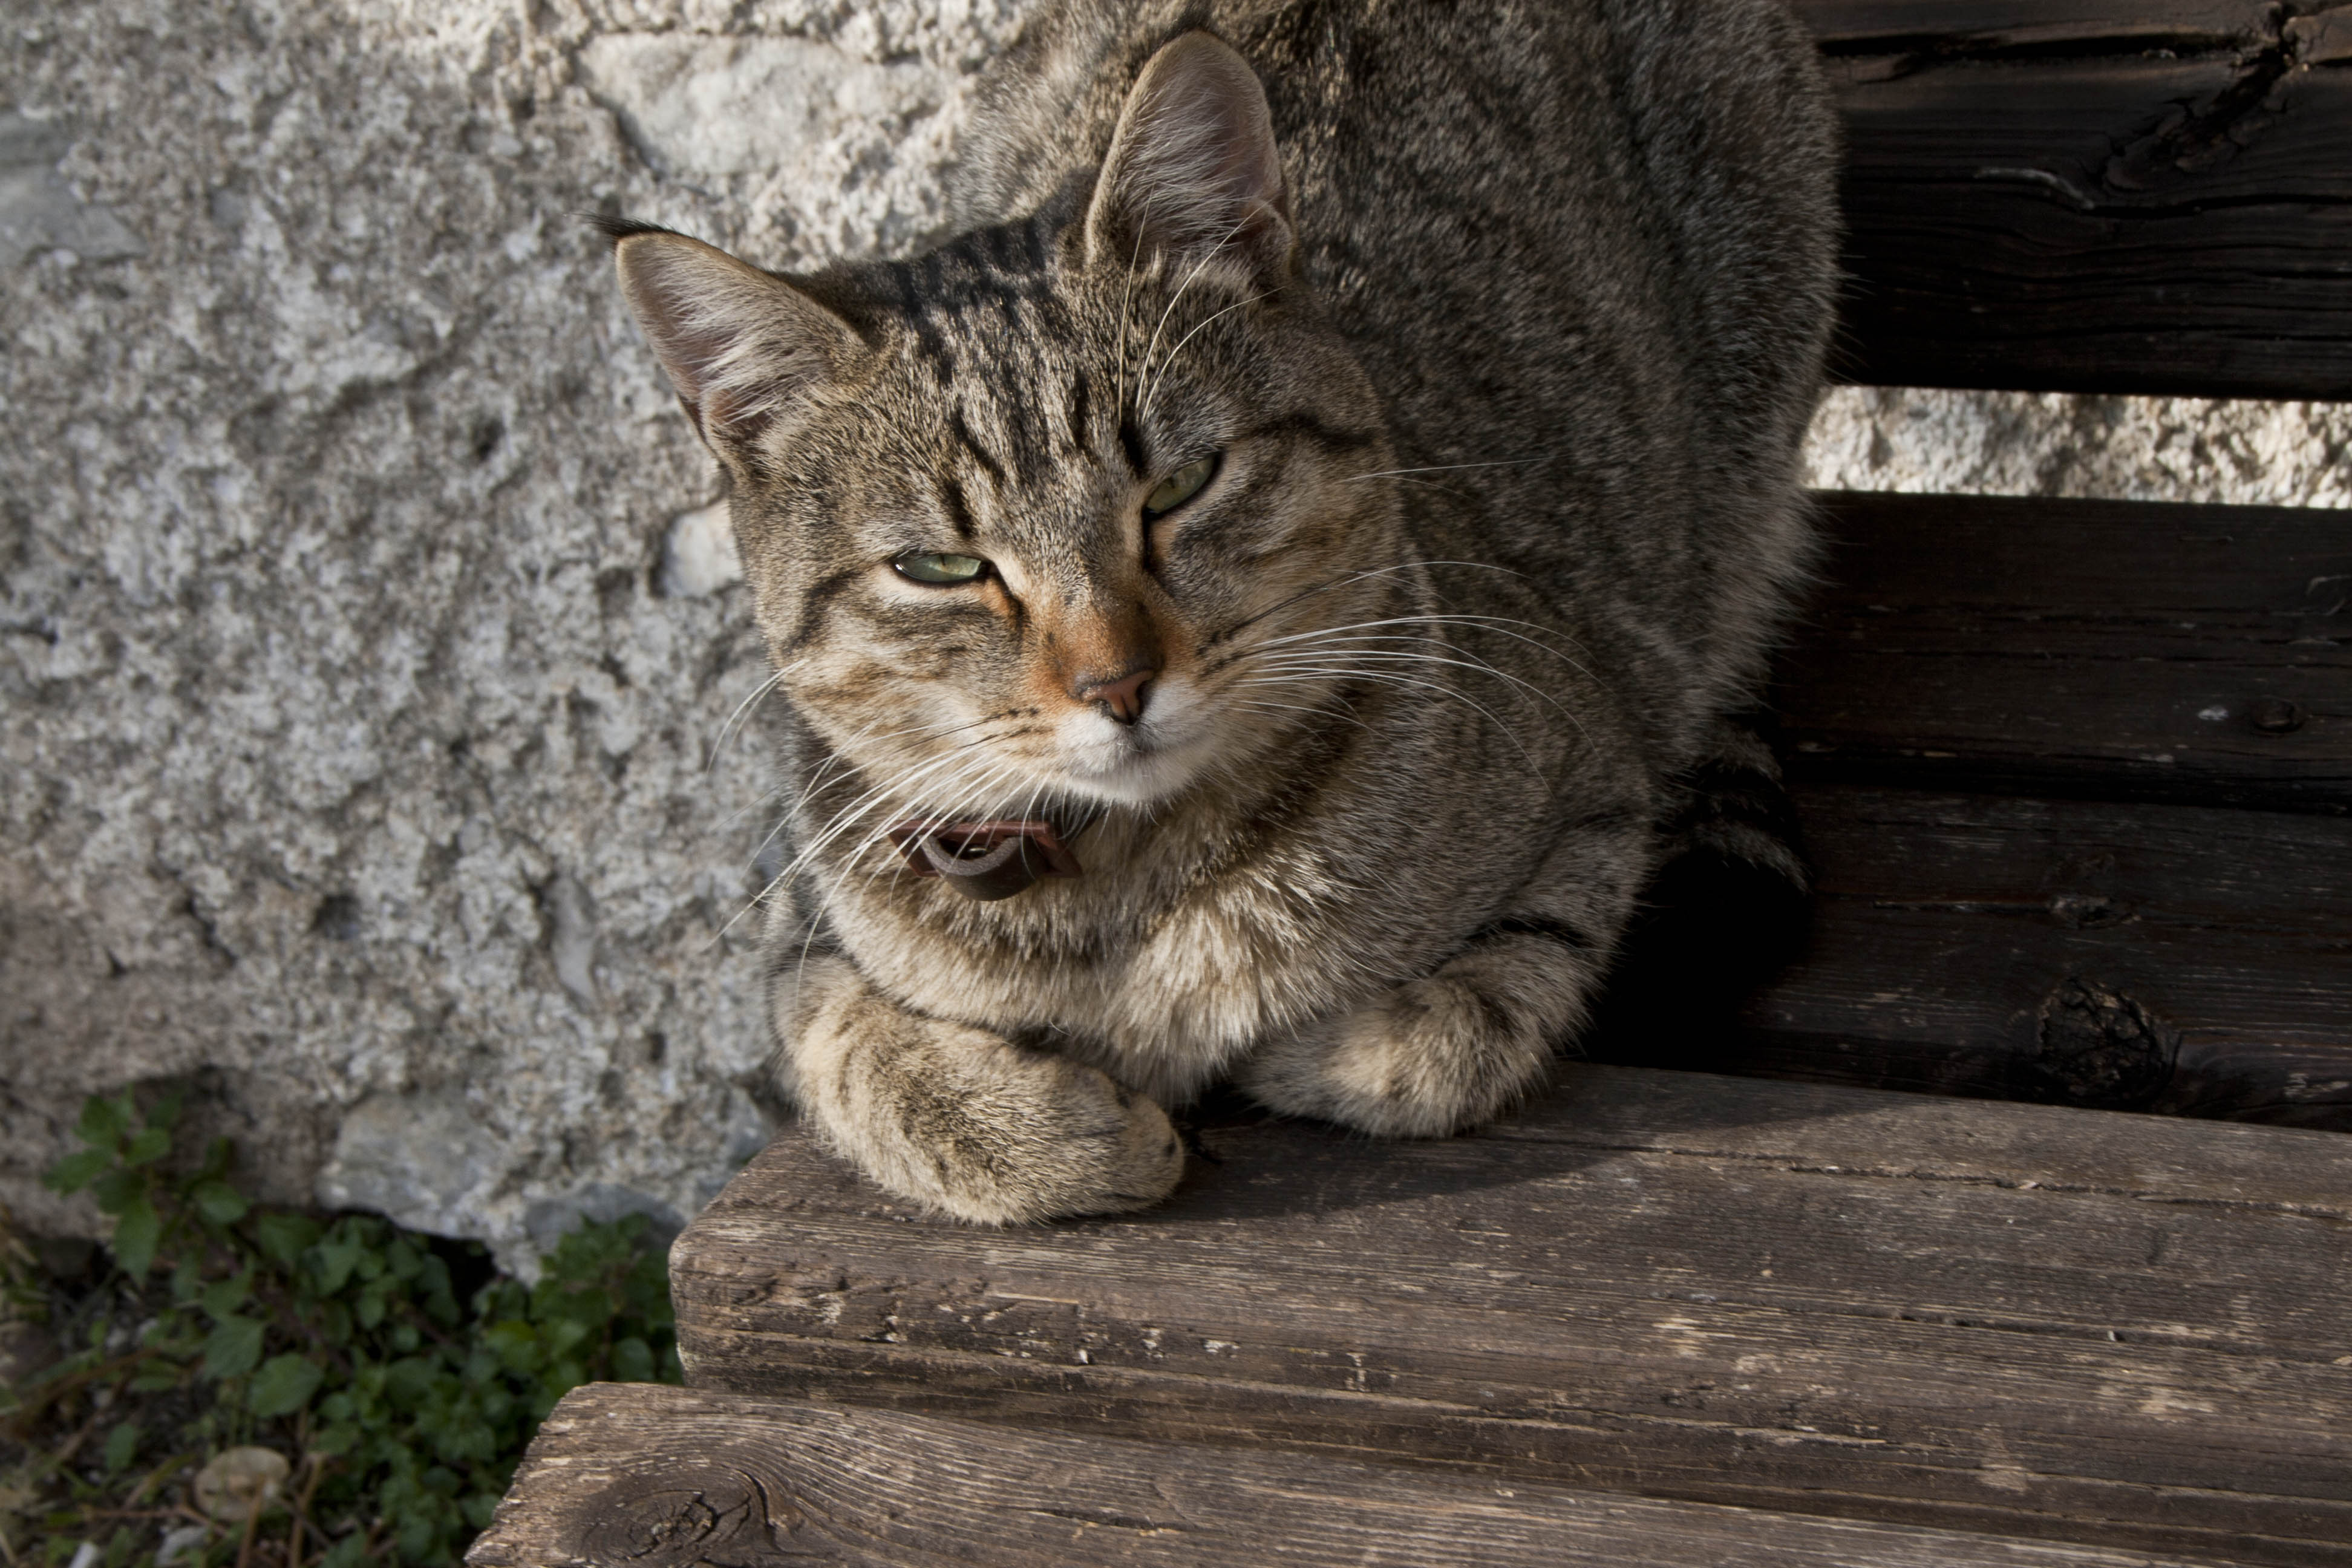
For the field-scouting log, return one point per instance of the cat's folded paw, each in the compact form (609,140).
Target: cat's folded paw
(1430,1057)
(981,1130)
(959,1118)
(1038,1137)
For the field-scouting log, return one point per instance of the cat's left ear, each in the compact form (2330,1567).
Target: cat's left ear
(1193,173)
(743,348)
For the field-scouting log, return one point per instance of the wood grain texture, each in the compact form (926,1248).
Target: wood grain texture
(2174,958)
(2005,1319)
(2075,196)
(1902,29)
(639,1476)
(2118,649)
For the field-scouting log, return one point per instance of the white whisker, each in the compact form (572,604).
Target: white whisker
(758,691)
(1369,647)
(1400,656)
(1449,468)
(1208,255)
(1499,624)
(1144,409)
(1409,682)
(839,824)
(1126,292)
(896,865)
(1326,712)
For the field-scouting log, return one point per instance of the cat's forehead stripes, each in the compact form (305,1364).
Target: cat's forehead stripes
(1005,413)
(1022,431)
(960,299)
(1005,350)
(958,510)
(960,423)
(1078,407)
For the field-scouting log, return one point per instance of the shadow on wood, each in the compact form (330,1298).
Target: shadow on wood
(2115,956)
(2014,1319)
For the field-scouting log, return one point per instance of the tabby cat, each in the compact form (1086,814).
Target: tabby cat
(1252,605)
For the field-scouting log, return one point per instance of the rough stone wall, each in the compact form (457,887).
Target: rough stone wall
(2130,448)
(355,698)
(366,623)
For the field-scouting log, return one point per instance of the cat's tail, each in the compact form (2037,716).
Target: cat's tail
(1730,908)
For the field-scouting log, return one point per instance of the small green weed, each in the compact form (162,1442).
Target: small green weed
(271,1388)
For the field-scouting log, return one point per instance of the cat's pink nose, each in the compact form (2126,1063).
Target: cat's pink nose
(1121,699)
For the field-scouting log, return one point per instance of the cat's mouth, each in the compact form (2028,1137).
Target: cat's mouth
(1134,763)
(1133,767)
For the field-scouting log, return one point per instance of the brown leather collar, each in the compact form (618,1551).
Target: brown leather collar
(989,861)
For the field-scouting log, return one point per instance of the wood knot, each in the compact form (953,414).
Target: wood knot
(2088,911)
(2276,716)
(722,1517)
(2098,1048)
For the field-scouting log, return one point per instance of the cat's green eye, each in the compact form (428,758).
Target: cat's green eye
(940,571)
(1178,488)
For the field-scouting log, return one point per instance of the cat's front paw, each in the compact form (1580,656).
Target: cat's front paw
(964,1122)
(1430,1057)
(1018,1136)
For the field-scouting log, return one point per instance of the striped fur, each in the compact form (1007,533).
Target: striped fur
(1500,325)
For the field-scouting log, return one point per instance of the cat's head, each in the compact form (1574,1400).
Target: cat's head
(1026,516)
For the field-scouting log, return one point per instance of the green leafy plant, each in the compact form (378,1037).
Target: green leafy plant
(341,1344)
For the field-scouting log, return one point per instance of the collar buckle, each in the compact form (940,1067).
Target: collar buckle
(985,860)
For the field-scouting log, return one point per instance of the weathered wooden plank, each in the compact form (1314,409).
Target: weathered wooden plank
(2076,197)
(2143,957)
(2010,1319)
(2147,957)
(639,1476)
(1902,29)
(2120,649)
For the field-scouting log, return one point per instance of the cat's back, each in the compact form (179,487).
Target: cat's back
(1479,157)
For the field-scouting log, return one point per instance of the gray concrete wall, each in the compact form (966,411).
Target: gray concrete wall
(2130,448)
(366,631)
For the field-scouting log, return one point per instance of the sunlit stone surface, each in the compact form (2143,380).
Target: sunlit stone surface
(364,632)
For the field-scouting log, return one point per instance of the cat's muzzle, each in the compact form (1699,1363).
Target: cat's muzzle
(985,860)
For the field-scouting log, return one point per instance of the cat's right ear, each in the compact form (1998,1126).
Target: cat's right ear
(1193,173)
(742,347)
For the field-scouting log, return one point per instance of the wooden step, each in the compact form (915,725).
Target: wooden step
(2005,1320)
(2088,197)
(2115,650)
(2174,959)
(640,1476)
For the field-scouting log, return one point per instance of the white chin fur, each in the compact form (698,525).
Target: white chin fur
(1134,764)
